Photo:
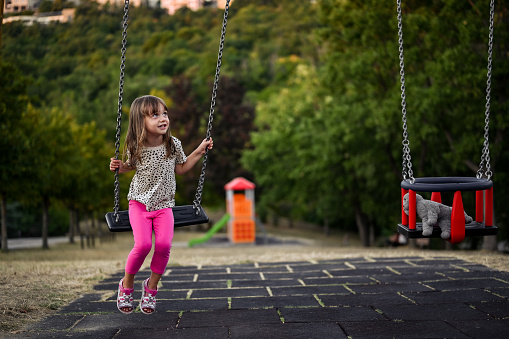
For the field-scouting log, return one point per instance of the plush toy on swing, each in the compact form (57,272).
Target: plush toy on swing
(433,213)
(118,221)
(440,221)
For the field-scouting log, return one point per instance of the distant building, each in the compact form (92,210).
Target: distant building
(66,15)
(16,6)
(137,3)
(171,5)
(221,3)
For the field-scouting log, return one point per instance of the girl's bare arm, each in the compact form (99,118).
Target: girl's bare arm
(194,157)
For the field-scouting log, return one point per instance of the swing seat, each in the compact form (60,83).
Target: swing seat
(183,216)
(481,226)
(473,229)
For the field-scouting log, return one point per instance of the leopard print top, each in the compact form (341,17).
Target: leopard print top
(154,183)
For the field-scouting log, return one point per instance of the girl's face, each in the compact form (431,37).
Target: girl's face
(157,123)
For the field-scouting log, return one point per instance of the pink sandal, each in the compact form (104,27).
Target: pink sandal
(125,298)
(148,298)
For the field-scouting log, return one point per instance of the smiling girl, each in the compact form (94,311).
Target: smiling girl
(156,156)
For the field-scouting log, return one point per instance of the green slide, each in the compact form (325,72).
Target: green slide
(213,230)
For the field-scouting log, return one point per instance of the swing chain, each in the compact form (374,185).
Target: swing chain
(485,157)
(119,110)
(199,189)
(407,159)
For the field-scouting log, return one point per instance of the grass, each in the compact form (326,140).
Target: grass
(35,283)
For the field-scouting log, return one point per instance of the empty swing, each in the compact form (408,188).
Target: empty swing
(118,221)
(482,224)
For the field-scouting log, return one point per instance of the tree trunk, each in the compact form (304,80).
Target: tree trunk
(71,225)
(490,242)
(94,231)
(412,243)
(45,217)
(362,227)
(371,234)
(4,222)
(87,228)
(326,227)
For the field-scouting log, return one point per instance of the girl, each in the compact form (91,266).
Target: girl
(156,156)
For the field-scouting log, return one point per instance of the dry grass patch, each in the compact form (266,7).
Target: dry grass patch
(34,283)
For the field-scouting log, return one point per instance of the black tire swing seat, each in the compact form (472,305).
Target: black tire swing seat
(118,221)
(482,225)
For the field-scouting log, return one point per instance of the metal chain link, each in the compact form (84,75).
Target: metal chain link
(119,110)
(485,157)
(407,172)
(199,189)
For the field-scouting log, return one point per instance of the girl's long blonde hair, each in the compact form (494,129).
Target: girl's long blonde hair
(140,108)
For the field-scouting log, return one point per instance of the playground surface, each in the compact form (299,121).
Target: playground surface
(417,296)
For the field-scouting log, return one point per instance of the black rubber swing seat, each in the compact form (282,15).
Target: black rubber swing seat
(183,216)
(473,229)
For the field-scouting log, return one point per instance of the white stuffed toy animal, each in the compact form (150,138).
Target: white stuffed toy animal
(433,213)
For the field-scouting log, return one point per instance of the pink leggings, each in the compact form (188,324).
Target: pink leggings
(142,223)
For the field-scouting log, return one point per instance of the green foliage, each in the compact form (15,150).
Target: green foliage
(46,6)
(13,100)
(331,141)
(324,79)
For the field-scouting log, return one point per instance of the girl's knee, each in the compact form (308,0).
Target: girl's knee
(143,248)
(162,248)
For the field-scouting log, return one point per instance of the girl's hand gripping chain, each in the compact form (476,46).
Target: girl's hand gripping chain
(204,145)
(117,163)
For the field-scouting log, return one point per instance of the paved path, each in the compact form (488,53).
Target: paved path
(359,298)
(22,243)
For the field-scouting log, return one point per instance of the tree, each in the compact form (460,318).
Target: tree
(46,6)
(287,154)
(13,101)
(52,159)
(233,120)
(187,123)
(86,181)
(57,5)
